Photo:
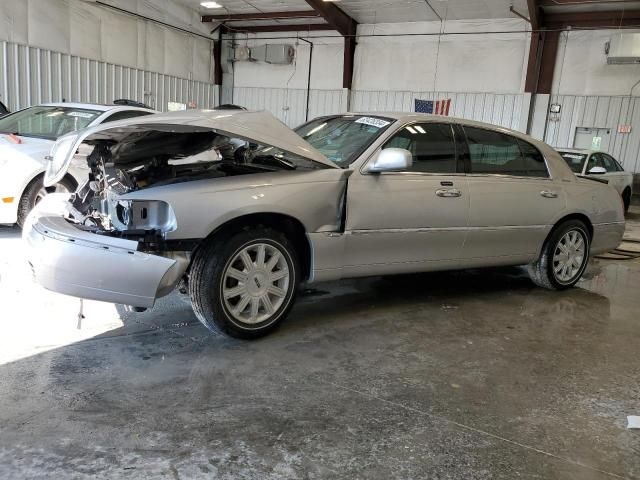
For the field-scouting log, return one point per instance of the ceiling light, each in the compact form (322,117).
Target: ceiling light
(210,5)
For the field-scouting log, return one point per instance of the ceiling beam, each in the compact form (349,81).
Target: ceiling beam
(234,17)
(606,19)
(535,14)
(312,27)
(572,3)
(347,27)
(342,22)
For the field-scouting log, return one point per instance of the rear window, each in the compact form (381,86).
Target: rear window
(574,160)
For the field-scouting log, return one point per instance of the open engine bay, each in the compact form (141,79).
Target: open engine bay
(135,158)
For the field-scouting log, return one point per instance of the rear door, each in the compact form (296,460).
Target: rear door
(411,220)
(513,200)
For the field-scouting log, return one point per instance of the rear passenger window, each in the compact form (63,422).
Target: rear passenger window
(533,159)
(497,153)
(431,144)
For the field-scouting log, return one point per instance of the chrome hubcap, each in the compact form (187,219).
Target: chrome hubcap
(255,283)
(43,192)
(569,255)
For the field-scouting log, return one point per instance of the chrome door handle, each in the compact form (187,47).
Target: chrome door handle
(448,192)
(548,194)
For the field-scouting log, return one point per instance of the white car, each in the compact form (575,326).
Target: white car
(593,162)
(26,138)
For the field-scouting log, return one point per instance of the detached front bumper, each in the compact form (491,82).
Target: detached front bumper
(68,260)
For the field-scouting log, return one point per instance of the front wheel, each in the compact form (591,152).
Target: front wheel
(36,191)
(564,257)
(243,285)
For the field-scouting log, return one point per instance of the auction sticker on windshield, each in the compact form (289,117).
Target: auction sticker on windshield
(80,114)
(373,122)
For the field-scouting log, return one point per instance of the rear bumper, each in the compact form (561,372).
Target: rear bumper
(68,260)
(606,237)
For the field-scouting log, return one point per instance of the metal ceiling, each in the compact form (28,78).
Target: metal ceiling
(374,11)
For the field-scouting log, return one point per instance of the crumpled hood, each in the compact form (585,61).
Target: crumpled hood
(258,127)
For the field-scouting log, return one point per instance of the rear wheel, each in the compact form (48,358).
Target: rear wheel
(244,284)
(36,191)
(626,199)
(564,257)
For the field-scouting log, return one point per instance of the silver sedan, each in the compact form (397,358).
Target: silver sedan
(239,209)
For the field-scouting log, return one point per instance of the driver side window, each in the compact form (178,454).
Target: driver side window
(432,146)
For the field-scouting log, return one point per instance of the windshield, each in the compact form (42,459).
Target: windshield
(343,139)
(47,122)
(574,160)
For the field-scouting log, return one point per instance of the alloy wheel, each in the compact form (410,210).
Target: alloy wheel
(569,255)
(255,283)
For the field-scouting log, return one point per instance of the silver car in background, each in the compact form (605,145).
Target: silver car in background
(239,209)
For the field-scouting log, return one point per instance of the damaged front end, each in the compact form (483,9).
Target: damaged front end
(105,242)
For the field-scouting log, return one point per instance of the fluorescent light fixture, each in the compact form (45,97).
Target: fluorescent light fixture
(419,128)
(210,5)
(411,130)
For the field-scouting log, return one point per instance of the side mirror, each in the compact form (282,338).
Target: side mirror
(597,171)
(391,160)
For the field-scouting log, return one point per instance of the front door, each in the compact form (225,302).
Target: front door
(513,200)
(412,220)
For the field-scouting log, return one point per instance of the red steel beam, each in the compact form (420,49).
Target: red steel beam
(548,61)
(535,14)
(342,22)
(239,17)
(277,28)
(347,27)
(605,19)
(571,3)
(349,58)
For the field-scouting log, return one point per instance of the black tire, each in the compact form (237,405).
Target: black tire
(542,271)
(626,199)
(207,276)
(30,196)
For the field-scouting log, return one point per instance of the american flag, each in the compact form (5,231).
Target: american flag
(426,106)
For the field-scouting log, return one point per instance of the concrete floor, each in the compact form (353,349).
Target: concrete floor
(460,375)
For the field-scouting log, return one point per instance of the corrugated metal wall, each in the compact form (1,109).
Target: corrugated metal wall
(290,104)
(598,112)
(507,110)
(29,76)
